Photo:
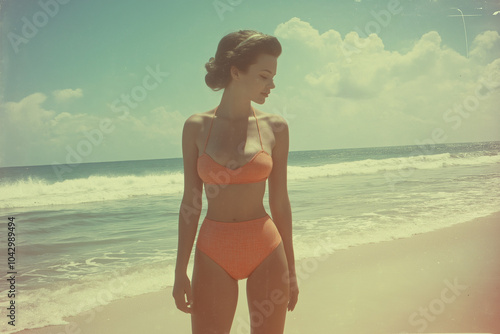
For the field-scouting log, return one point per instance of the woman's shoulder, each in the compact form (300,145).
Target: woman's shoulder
(197,120)
(275,121)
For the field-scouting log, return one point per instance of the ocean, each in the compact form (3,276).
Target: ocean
(92,233)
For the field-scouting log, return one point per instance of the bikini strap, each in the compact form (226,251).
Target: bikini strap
(210,130)
(258,129)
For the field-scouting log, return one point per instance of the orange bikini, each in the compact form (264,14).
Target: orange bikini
(255,170)
(238,247)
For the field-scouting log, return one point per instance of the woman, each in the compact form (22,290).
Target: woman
(232,150)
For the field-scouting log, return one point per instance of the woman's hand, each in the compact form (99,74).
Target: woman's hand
(182,287)
(294,292)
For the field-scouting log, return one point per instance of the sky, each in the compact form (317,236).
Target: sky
(114,80)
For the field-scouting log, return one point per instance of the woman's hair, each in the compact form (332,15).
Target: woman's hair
(239,49)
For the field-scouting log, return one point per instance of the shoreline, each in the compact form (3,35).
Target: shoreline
(447,280)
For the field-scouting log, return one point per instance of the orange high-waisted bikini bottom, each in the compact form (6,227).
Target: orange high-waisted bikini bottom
(238,247)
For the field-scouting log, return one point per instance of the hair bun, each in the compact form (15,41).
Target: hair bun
(210,65)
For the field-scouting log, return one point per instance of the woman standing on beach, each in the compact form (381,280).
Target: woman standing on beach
(232,150)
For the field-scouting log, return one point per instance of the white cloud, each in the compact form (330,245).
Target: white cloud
(360,94)
(147,135)
(62,95)
(485,47)
(34,135)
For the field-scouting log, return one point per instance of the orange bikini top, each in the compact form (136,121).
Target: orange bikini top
(255,170)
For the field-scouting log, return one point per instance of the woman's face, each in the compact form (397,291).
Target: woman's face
(257,83)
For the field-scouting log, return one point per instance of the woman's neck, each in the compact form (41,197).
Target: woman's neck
(234,107)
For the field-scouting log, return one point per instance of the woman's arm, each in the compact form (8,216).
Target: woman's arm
(189,212)
(279,202)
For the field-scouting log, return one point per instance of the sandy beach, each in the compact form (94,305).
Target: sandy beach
(442,281)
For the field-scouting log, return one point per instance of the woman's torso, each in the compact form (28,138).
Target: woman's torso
(233,150)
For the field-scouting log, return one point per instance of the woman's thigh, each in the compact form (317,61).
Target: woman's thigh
(215,296)
(268,293)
